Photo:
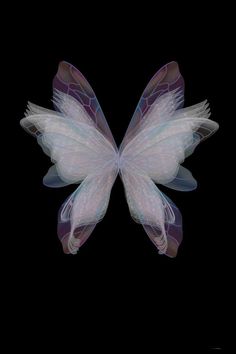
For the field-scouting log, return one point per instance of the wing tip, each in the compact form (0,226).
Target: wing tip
(172,247)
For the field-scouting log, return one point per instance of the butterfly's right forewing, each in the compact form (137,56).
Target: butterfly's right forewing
(167,79)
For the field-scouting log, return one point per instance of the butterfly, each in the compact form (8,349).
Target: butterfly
(161,134)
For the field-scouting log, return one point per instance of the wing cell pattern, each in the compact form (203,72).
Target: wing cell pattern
(78,140)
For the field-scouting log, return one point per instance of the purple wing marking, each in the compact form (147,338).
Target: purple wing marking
(69,80)
(81,233)
(174,232)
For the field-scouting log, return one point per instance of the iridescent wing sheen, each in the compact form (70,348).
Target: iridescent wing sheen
(80,153)
(69,80)
(158,215)
(173,231)
(81,212)
(165,137)
(78,139)
(167,79)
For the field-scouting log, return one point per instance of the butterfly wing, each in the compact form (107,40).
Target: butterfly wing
(165,136)
(84,209)
(69,80)
(159,216)
(167,79)
(80,152)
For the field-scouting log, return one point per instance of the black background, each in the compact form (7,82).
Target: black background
(118,283)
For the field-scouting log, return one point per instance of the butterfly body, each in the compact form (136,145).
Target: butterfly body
(78,139)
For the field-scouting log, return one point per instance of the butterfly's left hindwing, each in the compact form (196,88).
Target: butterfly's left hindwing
(84,209)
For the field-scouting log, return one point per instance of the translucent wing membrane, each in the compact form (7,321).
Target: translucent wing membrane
(160,136)
(85,207)
(183,181)
(159,216)
(70,81)
(80,153)
(164,137)
(169,243)
(167,79)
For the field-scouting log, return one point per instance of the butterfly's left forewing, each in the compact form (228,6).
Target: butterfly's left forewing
(71,81)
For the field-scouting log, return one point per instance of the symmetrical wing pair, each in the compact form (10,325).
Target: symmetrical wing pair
(160,136)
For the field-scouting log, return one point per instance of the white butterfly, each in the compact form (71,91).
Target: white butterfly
(160,136)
